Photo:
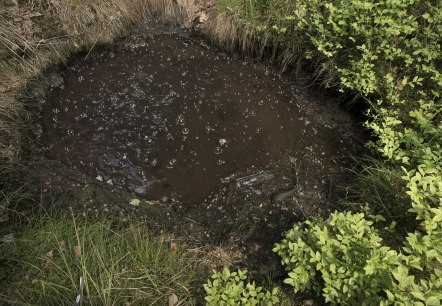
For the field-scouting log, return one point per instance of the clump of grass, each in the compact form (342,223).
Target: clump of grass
(15,190)
(243,27)
(378,188)
(118,265)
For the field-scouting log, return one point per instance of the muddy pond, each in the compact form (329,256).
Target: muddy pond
(171,118)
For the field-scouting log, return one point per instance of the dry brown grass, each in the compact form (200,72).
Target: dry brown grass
(226,31)
(223,30)
(36,34)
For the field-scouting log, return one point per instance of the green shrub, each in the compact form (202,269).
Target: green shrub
(344,258)
(344,250)
(390,53)
(229,288)
(389,50)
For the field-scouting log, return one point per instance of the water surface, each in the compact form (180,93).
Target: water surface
(172,118)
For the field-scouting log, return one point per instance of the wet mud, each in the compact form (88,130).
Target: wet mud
(216,147)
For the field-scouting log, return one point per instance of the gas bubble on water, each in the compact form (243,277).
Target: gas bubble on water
(218,150)
(171,163)
(209,129)
(180,120)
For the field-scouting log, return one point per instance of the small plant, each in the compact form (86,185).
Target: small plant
(229,288)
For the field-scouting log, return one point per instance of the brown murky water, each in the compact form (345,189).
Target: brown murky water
(173,118)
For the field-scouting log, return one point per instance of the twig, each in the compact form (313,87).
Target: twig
(93,45)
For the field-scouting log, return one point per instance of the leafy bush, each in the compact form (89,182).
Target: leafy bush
(389,52)
(353,265)
(229,288)
(343,251)
(387,49)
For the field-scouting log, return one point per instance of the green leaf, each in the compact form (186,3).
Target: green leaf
(134,202)
(333,268)
(390,295)
(433,300)
(289,281)
(418,295)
